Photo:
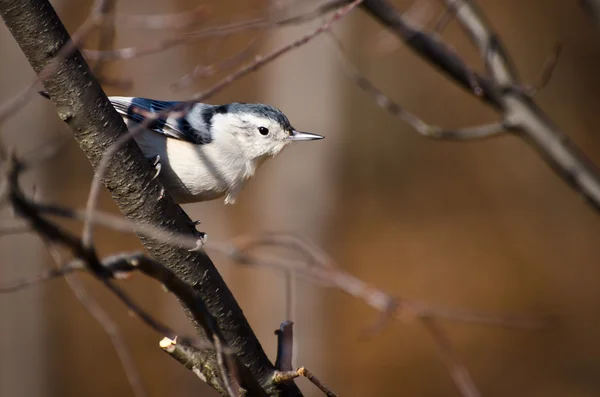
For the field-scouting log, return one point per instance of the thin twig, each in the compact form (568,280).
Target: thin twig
(106,322)
(546,73)
(443,21)
(209,32)
(50,274)
(77,39)
(459,372)
(321,267)
(14,229)
(521,113)
(202,71)
(188,356)
(424,129)
(285,376)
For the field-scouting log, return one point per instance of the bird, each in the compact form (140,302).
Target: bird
(203,152)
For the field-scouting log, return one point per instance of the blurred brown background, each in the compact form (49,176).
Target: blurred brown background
(482,225)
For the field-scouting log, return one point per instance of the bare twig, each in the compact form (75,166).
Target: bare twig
(427,130)
(502,90)
(443,20)
(318,266)
(204,71)
(106,322)
(458,371)
(178,20)
(209,32)
(226,369)
(77,39)
(322,268)
(261,61)
(281,376)
(14,229)
(522,114)
(188,356)
(107,32)
(10,287)
(285,346)
(546,72)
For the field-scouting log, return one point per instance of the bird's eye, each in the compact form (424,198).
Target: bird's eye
(263,130)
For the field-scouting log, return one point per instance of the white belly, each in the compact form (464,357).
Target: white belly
(191,172)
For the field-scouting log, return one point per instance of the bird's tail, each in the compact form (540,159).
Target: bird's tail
(44,94)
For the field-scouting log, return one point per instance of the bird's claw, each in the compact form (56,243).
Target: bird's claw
(201,237)
(155,161)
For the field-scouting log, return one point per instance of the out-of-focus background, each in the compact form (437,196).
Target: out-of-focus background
(482,225)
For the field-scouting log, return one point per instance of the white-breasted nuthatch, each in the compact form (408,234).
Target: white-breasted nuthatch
(207,151)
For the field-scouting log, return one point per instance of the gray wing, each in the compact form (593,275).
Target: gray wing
(175,125)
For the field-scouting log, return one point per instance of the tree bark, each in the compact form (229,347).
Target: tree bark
(82,104)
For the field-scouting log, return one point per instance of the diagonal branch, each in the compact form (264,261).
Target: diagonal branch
(522,113)
(501,90)
(433,50)
(82,104)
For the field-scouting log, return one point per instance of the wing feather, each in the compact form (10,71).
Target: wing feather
(174,125)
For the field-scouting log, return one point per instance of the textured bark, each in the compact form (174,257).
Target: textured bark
(82,104)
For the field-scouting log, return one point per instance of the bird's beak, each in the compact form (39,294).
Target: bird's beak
(304,136)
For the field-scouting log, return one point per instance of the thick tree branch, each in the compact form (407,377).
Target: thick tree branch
(82,104)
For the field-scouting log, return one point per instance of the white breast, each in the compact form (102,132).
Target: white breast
(193,173)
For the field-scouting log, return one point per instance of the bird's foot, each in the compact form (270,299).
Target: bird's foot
(155,162)
(201,237)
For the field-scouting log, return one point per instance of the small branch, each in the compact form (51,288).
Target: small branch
(281,376)
(210,32)
(202,71)
(227,368)
(321,268)
(432,50)
(106,322)
(14,229)
(189,357)
(443,21)
(47,275)
(522,114)
(107,33)
(62,52)
(285,346)
(104,271)
(261,61)
(459,372)
(424,129)
(546,73)
(519,113)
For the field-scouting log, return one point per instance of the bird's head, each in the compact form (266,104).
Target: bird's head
(259,130)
